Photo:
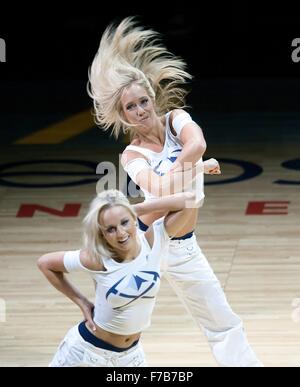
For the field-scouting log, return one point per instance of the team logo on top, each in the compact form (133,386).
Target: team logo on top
(165,165)
(130,288)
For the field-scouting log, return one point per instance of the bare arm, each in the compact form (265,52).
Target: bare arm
(52,266)
(168,184)
(194,144)
(180,207)
(176,221)
(170,203)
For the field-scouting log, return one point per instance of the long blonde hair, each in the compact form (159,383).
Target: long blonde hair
(128,53)
(93,239)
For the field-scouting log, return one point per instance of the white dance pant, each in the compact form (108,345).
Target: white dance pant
(74,351)
(192,278)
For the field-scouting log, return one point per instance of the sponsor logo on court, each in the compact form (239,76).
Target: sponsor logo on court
(2,310)
(296,51)
(2,50)
(72,173)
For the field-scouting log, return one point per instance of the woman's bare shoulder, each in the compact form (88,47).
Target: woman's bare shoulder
(176,112)
(136,142)
(129,155)
(89,263)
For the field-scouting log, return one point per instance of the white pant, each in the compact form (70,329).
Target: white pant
(193,280)
(74,351)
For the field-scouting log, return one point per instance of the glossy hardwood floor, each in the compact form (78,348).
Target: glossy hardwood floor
(256,258)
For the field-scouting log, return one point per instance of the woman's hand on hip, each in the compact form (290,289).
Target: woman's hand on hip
(87,309)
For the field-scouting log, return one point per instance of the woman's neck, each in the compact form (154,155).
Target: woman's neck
(127,256)
(156,135)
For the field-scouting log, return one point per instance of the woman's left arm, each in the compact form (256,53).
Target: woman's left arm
(179,207)
(194,147)
(192,139)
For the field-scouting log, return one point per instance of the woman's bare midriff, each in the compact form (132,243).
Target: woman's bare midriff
(148,219)
(120,341)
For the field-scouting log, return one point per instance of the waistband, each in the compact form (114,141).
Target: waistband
(144,227)
(96,342)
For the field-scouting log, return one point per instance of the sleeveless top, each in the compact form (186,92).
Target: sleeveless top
(161,162)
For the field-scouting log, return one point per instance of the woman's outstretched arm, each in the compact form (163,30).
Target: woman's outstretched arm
(179,207)
(170,203)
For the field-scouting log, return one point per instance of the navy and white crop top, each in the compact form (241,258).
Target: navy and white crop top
(125,292)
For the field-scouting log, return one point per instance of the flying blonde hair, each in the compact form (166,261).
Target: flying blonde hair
(93,239)
(128,53)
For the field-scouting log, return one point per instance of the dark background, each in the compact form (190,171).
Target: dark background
(217,39)
(238,52)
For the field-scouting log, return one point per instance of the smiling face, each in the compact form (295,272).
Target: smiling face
(137,106)
(119,229)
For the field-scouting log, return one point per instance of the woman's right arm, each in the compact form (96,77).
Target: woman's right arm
(52,266)
(159,186)
(170,203)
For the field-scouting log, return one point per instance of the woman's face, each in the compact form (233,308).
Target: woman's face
(137,106)
(119,228)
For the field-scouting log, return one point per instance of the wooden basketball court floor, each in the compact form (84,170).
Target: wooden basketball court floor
(255,255)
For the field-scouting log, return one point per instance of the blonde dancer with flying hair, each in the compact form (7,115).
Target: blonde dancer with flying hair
(137,85)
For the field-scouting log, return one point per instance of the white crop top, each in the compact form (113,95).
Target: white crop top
(161,162)
(125,292)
